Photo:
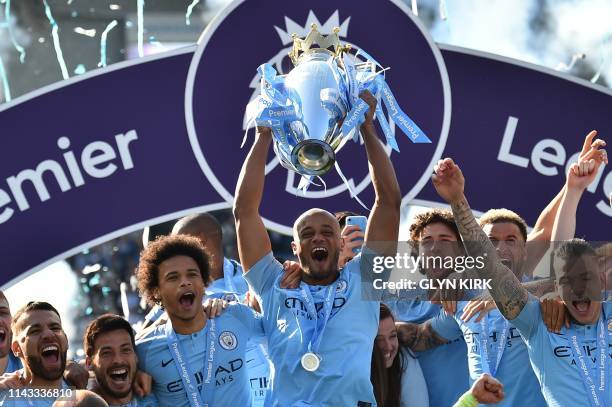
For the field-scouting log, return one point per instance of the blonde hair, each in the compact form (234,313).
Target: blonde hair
(501,216)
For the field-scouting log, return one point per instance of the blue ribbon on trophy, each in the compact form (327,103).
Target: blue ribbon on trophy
(315,109)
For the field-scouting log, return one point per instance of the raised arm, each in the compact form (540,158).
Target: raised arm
(543,229)
(383,223)
(253,239)
(541,235)
(418,337)
(507,291)
(579,177)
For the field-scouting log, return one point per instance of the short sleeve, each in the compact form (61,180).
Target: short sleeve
(251,320)
(446,326)
(529,318)
(262,275)
(141,351)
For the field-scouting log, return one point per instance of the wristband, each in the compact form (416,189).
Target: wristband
(467,400)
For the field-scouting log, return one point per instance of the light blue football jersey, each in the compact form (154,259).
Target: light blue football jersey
(514,371)
(552,357)
(230,380)
(343,377)
(14,363)
(232,282)
(259,367)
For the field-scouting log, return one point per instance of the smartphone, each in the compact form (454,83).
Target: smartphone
(360,221)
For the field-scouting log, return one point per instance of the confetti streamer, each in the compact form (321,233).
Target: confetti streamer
(7,18)
(189,11)
(153,41)
(415,8)
(5,85)
(56,43)
(443,13)
(564,68)
(109,27)
(140,12)
(80,69)
(89,33)
(603,62)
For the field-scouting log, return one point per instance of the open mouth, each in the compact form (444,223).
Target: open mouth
(187,299)
(50,354)
(507,263)
(3,335)
(319,253)
(119,375)
(582,306)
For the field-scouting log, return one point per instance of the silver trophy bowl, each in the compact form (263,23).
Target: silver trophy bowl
(311,144)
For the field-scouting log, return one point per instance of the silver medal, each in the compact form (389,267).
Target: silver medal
(310,361)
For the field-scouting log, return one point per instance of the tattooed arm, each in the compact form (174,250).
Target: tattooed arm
(507,291)
(418,337)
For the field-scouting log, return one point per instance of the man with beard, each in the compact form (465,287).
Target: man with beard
(318,359)
(579,353)
(436,234)
(193,360)
(109,345)
(41,344)
(492,335)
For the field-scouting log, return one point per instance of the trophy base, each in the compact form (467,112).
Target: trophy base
(313,157)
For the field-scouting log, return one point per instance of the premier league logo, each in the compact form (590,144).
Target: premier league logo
(247,33)
(228,340)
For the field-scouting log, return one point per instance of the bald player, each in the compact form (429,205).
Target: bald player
(225,274)
(320,335)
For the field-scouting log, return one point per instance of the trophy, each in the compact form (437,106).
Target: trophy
(315,109)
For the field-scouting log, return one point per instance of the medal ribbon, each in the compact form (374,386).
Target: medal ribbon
(596,391)
(320,323)
(187,377)
(484,346)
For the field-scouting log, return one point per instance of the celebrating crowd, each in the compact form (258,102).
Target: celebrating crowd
(260,332)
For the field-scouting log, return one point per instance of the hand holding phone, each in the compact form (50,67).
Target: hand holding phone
(361,222)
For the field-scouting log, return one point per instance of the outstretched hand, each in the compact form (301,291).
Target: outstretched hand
(448,180)
(292,275)
(592,156)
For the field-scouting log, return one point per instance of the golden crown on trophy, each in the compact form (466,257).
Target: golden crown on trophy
(324,42)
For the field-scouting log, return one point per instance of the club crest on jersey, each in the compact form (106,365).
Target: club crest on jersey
(230,297)
(228,340)
(341,286)
(610,324)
